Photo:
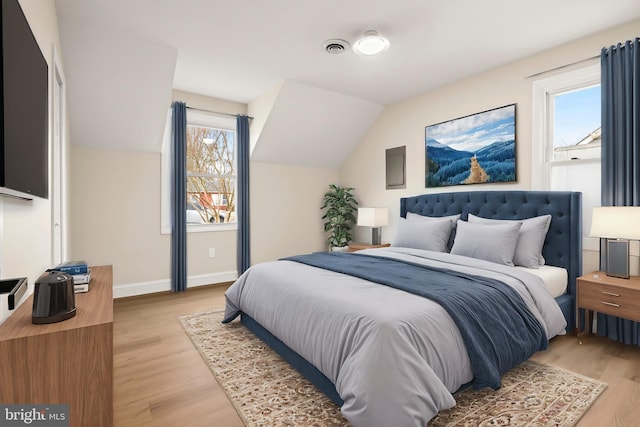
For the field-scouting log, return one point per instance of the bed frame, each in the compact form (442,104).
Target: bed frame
(562,248)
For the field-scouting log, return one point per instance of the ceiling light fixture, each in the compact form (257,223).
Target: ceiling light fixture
(371,43)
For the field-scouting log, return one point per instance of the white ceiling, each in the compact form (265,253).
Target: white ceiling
(239,50)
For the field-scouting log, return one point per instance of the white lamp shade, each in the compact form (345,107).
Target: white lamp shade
(616,222)
(373,217)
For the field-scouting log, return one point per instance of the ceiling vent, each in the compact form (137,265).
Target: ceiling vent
(336,46)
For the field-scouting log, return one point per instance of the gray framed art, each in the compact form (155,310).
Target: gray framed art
(396,162)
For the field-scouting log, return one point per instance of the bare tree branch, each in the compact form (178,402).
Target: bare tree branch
(211,173)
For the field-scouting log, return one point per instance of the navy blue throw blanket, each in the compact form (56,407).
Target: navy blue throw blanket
(498,329)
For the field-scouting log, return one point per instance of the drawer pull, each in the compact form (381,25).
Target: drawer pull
(610,293)
(610,303)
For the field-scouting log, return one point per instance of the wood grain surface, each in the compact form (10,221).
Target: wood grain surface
(69,362)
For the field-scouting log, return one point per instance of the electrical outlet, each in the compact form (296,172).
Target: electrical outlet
(212,252)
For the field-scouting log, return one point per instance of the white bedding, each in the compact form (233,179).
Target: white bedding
(554,278)
(395,358)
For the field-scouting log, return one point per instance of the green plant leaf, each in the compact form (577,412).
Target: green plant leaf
(340,206)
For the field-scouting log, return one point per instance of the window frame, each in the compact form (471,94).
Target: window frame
(543,91)
(542,147)
(197,118)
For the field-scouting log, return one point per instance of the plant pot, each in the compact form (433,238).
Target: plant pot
(339,248)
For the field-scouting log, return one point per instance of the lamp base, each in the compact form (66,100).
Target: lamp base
(618,258)
(376,234)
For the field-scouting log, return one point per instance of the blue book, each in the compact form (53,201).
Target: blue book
(73,267)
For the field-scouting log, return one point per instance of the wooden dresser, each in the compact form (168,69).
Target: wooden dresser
(69,362)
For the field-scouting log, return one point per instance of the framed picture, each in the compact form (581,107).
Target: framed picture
(476,149)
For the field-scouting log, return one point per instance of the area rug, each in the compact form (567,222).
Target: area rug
(266,391)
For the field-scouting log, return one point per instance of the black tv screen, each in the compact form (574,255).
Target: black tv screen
(25,94)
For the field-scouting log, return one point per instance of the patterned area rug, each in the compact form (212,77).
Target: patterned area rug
(267,391)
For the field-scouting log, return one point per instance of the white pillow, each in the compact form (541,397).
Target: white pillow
(427,235)
(495,243)
(532,234)
(417,217)
(453,218)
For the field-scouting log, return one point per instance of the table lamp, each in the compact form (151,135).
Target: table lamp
(617,224)
(376,218)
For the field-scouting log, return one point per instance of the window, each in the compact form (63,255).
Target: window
(566,137)
(211,173)
(576,124)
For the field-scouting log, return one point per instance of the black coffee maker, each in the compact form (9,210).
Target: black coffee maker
(54,299)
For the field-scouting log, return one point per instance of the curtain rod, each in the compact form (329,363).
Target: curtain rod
(563,66)
(217,112)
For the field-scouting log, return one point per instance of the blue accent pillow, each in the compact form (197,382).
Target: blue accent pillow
(495,243)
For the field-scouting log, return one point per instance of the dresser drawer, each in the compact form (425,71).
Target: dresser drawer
(604,298)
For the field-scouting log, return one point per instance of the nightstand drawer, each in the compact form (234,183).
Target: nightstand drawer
(614,300)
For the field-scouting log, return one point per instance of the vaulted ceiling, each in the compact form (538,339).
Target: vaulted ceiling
(123,57)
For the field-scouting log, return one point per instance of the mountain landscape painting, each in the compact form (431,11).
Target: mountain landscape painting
(476,149)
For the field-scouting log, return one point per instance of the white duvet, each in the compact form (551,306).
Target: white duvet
(395,358)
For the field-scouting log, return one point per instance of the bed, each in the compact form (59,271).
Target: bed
(388,356)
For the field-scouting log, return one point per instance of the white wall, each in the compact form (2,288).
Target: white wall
(25,227)
(116,210)
(285,199)
(404,124)
(115,205)
(285,209)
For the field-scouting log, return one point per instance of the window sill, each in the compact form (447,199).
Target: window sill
(574,161)
(204,228)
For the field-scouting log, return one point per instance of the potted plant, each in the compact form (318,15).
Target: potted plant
(340,205)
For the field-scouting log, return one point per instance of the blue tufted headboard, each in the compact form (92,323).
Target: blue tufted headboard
(563,245)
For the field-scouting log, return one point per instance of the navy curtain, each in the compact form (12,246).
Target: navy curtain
(178,197)
(620,68)
(244,249)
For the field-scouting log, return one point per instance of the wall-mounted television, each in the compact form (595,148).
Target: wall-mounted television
(24,140)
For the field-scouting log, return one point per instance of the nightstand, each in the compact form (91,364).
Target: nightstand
(360,246)
(609,295)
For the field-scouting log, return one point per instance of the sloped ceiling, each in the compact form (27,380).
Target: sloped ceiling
(309,126)
(123,57)
(118,87)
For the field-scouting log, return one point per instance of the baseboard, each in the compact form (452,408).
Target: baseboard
(143,288)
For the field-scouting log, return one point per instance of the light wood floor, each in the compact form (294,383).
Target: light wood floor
(161,380)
